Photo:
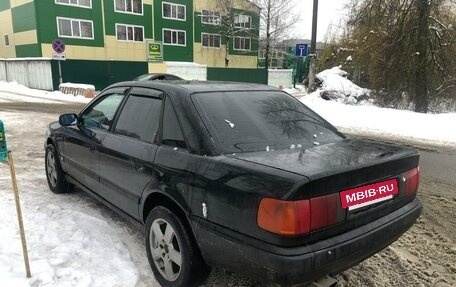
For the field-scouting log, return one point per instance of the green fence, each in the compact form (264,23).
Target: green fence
(98,73)
(259,76)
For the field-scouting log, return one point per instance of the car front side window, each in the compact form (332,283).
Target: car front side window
(101,114)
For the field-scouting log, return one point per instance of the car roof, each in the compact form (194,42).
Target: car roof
(158,74)
(190,87)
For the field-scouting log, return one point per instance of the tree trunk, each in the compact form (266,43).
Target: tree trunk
(312,73)
(422,48)
(268,37)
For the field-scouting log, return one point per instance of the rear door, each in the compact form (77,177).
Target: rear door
(128,152)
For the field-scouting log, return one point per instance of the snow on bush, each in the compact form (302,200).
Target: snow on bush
(336,86)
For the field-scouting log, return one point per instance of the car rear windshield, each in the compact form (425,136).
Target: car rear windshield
(250,121)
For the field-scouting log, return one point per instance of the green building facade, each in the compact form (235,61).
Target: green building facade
(108,36)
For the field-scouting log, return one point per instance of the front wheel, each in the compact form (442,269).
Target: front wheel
(54,173)
(173,256)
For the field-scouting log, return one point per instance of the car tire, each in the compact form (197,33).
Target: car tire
(173,256)
(54,173)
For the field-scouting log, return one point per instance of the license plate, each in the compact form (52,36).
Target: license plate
(368,194)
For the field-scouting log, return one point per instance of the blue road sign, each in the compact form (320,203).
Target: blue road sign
(58,46)
(301,50)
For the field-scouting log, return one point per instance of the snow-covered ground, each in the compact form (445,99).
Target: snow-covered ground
(25,94)
(351,113)
(70,240)
(431,130)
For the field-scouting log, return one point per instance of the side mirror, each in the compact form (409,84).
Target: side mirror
(68,119)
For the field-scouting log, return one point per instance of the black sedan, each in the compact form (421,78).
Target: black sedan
(241,176)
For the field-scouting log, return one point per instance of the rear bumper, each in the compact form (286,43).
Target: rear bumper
(291,266)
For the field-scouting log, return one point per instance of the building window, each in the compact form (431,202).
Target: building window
(6,40)
(174,37)
(173,11)
(261,54)
(210,17)
(129,6)
(242,21)
(242,43)
(129,33)
(210,40)
(75,28)
(79,3)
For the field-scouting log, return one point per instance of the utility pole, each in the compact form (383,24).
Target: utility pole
(313,46)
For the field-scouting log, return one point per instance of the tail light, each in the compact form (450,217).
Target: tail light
(325,211)
(284,217)
(412,181)
(301,216)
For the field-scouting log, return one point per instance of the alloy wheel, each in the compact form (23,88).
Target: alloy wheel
(165,249)
(51,169)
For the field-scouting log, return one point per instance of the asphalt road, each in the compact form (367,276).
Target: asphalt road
(440,166)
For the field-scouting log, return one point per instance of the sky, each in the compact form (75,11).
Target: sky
(330,12)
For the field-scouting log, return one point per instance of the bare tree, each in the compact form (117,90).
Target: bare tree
(231,23)
(406,48)
(277,18)
(422,54)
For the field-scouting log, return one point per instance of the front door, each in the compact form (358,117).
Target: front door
(81,146)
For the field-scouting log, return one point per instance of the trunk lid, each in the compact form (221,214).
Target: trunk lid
(337,168)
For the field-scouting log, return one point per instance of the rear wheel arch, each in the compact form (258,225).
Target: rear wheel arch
(159,199)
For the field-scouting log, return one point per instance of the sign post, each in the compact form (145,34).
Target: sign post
(9,158)
(59,47)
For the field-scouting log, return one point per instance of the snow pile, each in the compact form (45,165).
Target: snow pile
(72,240)
(62,251)
(397,125)
(299,90)
(77,86)
(335,86)
(22,93)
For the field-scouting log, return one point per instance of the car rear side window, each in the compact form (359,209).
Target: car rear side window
(101,114)
(139,118)
(172,133)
